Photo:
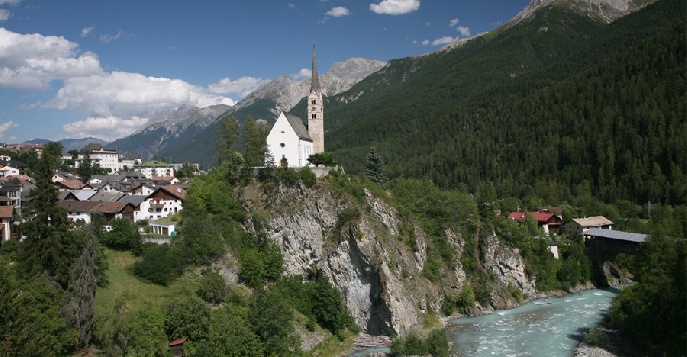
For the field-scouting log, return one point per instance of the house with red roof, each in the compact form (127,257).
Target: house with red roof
(549,221)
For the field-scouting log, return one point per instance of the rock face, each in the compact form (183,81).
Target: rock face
(287,92)
(358,246)
(508,267)
(604,10)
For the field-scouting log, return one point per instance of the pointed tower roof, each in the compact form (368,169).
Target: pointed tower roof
(315,82)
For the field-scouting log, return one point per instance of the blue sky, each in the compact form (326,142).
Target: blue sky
(76,68)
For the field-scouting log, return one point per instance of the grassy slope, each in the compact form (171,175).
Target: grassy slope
(140,294)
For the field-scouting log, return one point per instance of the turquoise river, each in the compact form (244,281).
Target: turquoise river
(548,327)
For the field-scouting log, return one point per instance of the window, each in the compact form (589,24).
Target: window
(314,116)
(313,108)
(314,102)
(282,144)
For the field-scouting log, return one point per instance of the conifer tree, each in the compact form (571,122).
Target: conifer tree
(48,248)
(228,140)
(374,168)
(254,142)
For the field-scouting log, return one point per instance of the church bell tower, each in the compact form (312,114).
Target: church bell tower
(315,109)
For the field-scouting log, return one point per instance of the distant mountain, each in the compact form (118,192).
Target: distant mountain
(605,11)
(168,129)
(69,144)
(78,144)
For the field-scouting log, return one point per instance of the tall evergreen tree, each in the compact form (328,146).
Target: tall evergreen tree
(254,142)
(48,248)
(374,168)
(228,139)
(78,301)
(85,169)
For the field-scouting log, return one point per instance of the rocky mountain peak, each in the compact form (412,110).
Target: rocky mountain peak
(603,10)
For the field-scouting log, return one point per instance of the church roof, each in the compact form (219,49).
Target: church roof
(297,125)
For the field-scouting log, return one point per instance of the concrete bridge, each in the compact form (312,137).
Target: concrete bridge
(604,244)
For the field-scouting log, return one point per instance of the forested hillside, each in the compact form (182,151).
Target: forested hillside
(558,105)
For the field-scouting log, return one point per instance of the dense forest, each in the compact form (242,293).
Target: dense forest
(549,107)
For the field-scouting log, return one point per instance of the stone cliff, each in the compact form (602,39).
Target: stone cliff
(357,244)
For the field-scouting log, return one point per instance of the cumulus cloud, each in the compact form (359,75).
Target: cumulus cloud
(242,86)
(32,61)
(4,14)
(303,73)
(86,31)
(123,94)
(464,31)
(443,40)
(106,128)
(453,22)
(395,7)
(338,11)
(6,126)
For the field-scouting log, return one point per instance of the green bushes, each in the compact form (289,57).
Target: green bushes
(435,345)
(159,265)
(462,302)
(124,235)
(211,287)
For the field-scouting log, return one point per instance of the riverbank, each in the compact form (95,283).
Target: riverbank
(603,341)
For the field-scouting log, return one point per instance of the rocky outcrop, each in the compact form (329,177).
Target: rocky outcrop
(604,10)
(508,267)
(360,246)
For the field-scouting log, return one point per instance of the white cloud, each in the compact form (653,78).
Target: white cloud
(242,86)
(425,42)
(453,22)
(395,7)
(124,94)
(6,126)
(464,31)
(9,2)
(303,73)
(107,38)
(4,14)
(338,11)
(443,40)
(32,61)
(86,31)
(106,128)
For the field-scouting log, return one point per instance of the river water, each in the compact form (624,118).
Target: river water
(548,327)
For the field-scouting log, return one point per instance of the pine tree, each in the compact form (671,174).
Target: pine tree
(78,301)
(49,247)
(374,168)
(254,142)
(229,139)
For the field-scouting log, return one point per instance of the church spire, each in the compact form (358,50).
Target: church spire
(315,82)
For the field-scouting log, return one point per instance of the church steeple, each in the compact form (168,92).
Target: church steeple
(315,82)
(315,110)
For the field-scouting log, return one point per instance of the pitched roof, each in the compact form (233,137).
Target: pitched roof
(110,207)
(106,196)
(6,211)
(77,206)
(611,234)
(178,341)
(71,184)
(133,199)
(174,190)
(597,221)
(540,216)
(298,126)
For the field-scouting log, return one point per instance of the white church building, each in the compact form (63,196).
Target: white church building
(289,139)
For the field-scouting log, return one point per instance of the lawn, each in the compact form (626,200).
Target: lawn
(139,294)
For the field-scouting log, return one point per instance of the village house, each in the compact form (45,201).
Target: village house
(548,221)
(151,169)
(163,202)
(581,225)
(6,223)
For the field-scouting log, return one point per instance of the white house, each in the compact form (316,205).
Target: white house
(9,171)
(164,202)
(289,139)
(581,225)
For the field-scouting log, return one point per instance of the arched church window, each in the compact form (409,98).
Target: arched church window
(314,116)
(282,144)
(313,108)
(314,102)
